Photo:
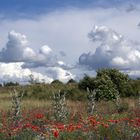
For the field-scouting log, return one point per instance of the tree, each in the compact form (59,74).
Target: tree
(119,79)
(71,81)
(105,88)
(57,82)
(108,83)
(87,82)
(7,84)
(135,87)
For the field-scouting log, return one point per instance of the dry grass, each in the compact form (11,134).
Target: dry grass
(77,106)
(36,104)
(74,106)
(133,103)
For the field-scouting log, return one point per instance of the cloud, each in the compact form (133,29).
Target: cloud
(17,59)
(133,73)
(131,7)
(62,53)
(31,8)
(17,50)
(66,30)
(113,50)
(138,24)
(14,72)
(60,74)
(44,58)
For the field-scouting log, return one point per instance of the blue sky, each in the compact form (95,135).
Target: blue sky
(64,39)
(30,8)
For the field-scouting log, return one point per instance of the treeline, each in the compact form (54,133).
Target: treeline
(7,84)
(107,84)
(110,82)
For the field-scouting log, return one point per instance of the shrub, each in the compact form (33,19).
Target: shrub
(105,89)
(75,94)
(71,81)
(10,84)
(120,80)
(87,82)
(57,82)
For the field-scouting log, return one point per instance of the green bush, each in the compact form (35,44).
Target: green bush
(57,82)
(87,82)
(105,89)
(119,80)
(75,94)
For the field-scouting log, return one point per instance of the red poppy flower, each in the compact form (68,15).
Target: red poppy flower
(56,134)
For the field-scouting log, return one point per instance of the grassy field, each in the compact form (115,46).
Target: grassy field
(30,103)
(35,118)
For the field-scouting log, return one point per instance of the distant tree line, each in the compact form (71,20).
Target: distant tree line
(7,84)
(107,84)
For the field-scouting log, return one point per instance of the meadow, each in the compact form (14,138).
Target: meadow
(37,119)
(71,111)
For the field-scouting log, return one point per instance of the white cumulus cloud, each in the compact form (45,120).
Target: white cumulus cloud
(60,74)
(113,50)
(17,59)
(17,50)
(66,31)
(15,72)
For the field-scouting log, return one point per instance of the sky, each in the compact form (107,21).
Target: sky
(67,39)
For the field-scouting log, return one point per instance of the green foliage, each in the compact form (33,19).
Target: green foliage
(135,87)
(107,83)
(57,82)
(7,84)
(119,80)
(105,89)
(74,93)
(71,81)
(87,82)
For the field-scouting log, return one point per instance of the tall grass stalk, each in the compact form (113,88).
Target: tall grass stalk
(16,107)
(91,101)
(59,106)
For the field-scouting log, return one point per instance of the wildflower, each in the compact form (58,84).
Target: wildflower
(105,125)
(113,121)
(28,125)
(35,128)
(78,126)
(39,116)
(61,126)
(56,134)
(70,128)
